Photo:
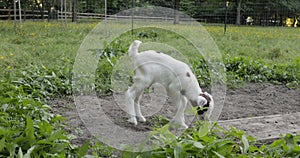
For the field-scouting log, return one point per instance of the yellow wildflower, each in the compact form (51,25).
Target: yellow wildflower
(11,54)
(2,57)
(9,67)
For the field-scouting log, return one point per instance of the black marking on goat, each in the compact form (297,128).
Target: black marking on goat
(199,111)
(188,74)
(157,52)
(207,98)
(183,92)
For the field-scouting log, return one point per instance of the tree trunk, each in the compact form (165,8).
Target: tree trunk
(40,8)
(238,12)
(48,7)
(176,11)
(24,14)
(33,13)
(9,12)
(74,12)
(43,10)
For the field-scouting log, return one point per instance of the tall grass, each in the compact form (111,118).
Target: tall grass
(40,43)
(270,44)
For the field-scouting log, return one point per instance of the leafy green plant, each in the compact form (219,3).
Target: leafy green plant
(118,48)
(275,53)
(107,60)
(27,126)
(148,33)
(241,69)
(41,82)
(211,140)
(100,150)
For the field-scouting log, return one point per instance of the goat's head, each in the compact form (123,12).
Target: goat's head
(204,101)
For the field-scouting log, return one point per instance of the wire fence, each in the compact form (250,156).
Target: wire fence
(250,13)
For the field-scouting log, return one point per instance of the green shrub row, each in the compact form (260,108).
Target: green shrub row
(27,126)
(238,70)
(241,69)
(206,140)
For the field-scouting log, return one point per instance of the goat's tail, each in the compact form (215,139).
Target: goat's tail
(133,48)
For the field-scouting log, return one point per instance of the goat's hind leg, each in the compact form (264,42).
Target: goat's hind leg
(137,107)
(129,95)
(133,95)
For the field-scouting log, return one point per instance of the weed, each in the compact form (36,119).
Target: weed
(275,53)
(211,140)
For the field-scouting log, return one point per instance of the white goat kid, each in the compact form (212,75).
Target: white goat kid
(151,67)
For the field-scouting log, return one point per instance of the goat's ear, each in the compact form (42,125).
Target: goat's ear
(201,101)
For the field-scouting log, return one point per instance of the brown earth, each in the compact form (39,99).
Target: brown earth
(248,101)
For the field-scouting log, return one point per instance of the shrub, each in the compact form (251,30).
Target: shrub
(207,140)
(27,126)
(242,69)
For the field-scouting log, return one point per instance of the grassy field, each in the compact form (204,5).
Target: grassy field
(36,64)
(270,44)
(43,44)
(53,44)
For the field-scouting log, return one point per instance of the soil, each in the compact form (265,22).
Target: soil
(260,100)
(255,99)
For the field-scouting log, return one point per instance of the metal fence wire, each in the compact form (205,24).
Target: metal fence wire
(240,12)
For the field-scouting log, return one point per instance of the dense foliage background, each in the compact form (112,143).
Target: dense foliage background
(264,12)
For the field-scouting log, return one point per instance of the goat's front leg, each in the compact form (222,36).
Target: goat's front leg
(179,116)
(180,102)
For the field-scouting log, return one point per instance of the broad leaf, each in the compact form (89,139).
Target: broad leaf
(245,143)
(29,130)
(178,151)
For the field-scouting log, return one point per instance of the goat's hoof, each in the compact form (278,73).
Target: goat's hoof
(181,126)
(142,119)
(184,126)
(133,121)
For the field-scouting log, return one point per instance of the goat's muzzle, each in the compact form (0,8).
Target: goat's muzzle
(200,110)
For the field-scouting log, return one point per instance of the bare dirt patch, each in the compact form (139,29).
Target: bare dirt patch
(260,100)
(249,101)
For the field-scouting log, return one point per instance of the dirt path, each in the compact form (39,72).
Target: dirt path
(251,100)
(260,100)
(266,127)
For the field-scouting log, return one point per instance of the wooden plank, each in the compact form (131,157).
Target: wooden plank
(266,127)
(33,14)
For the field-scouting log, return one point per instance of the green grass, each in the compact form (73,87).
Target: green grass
(245,58)
(270,44)
(43,44)
(54,45)
(36,64)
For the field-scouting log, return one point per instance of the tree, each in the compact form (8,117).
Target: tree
(176,11)
(74,11)
(292,5)
(238,12)
(49,5)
